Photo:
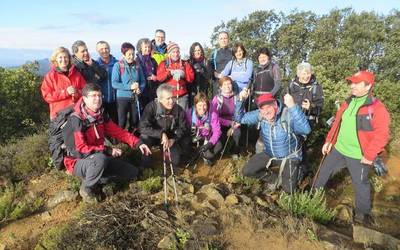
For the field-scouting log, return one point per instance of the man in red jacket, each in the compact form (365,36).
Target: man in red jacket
(359,133)
(88,157)
(177,73)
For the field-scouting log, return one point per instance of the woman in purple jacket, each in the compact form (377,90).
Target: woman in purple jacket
(224,105)
(205,127)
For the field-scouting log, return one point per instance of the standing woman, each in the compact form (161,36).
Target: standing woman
(239,69)
(61,88)
(149,67)
(128,80)
(202,71)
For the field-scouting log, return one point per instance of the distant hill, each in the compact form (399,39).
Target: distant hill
(16,57)
(44,66)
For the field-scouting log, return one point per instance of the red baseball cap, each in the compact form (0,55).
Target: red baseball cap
(362,76)
(265,99)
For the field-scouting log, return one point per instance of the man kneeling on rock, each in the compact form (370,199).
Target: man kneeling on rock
(88,157)
(280,128)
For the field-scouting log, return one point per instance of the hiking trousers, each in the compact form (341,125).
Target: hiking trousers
(256,168)
(100,166)
(334,162)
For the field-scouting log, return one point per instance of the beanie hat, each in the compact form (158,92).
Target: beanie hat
(362,76)
(264,99)
(125,47)
(171,46)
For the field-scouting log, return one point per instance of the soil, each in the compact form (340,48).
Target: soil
(239,234)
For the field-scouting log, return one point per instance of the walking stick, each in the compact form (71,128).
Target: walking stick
(167,153)
(318,170)
(223,150)
(137,104)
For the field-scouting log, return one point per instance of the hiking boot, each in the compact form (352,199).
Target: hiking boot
(87,195)
(363,219)
(207,162)
(235,157)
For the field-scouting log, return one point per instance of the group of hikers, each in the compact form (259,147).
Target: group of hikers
(154,97)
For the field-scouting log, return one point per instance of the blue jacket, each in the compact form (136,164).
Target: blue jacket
(240,73)
(275,136)
(106,86)
(122,83)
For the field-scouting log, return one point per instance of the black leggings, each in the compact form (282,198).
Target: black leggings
(236,138)
(125,106)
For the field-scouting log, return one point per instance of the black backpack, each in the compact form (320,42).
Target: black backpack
(56,141)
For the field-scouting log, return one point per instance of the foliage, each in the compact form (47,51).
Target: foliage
(377,184)
(182,237)
(13,204)
(337,44)
(24,158)
(308,204)
(51,238)
(22,107)
(151,184)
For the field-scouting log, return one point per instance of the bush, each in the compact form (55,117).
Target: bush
(51,239)
(22,106)
(308,204)
(24,158)
(151,184)
(13,204)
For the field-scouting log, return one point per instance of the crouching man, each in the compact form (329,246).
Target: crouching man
(163,122)
(84,135)
(280,129)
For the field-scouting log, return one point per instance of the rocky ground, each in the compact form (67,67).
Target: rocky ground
(216,210)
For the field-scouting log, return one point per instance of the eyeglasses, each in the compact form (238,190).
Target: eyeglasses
(95,95)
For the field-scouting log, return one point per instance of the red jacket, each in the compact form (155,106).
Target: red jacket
(86,137)
(164,75)
(372,123)
(54,89)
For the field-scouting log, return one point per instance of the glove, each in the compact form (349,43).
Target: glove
(206,147)
(180,73)
(379,167)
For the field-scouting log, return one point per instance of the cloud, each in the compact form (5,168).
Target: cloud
(53,27)
(98,19)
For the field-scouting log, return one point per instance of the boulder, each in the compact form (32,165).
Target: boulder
(369,236)
(344,213)
(261,202)
(60,197)
(168,242)
(231,200)
(211,194)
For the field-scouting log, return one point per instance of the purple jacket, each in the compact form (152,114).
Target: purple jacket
(225,108)
(212,131)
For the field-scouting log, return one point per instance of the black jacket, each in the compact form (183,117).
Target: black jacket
(311,91)
(92,73)
(220,58)
(202,75)
(156,121)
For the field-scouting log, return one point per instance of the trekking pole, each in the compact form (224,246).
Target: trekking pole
(223,150)
(317,173)
(173,176)
(165,180)
(137,104)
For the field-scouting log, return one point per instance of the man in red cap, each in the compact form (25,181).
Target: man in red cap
(359,133)
(280,129)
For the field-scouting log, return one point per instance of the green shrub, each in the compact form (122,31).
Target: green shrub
(24,158)
(14,205)
(151,184)
(22,107)
(52,238)
(308,204)
(182,237)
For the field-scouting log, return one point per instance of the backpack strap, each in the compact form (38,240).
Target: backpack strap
(214,57)
(121,67)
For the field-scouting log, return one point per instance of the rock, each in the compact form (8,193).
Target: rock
(328,245)
(344,213)
(46,216)
(205,229)
(62,196)
(211,194)
(168,242)
(2,246)
(146,223)
(261,202)
(369,236)
(231,200)
(246,200)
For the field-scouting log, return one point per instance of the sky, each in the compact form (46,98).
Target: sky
(41,26)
